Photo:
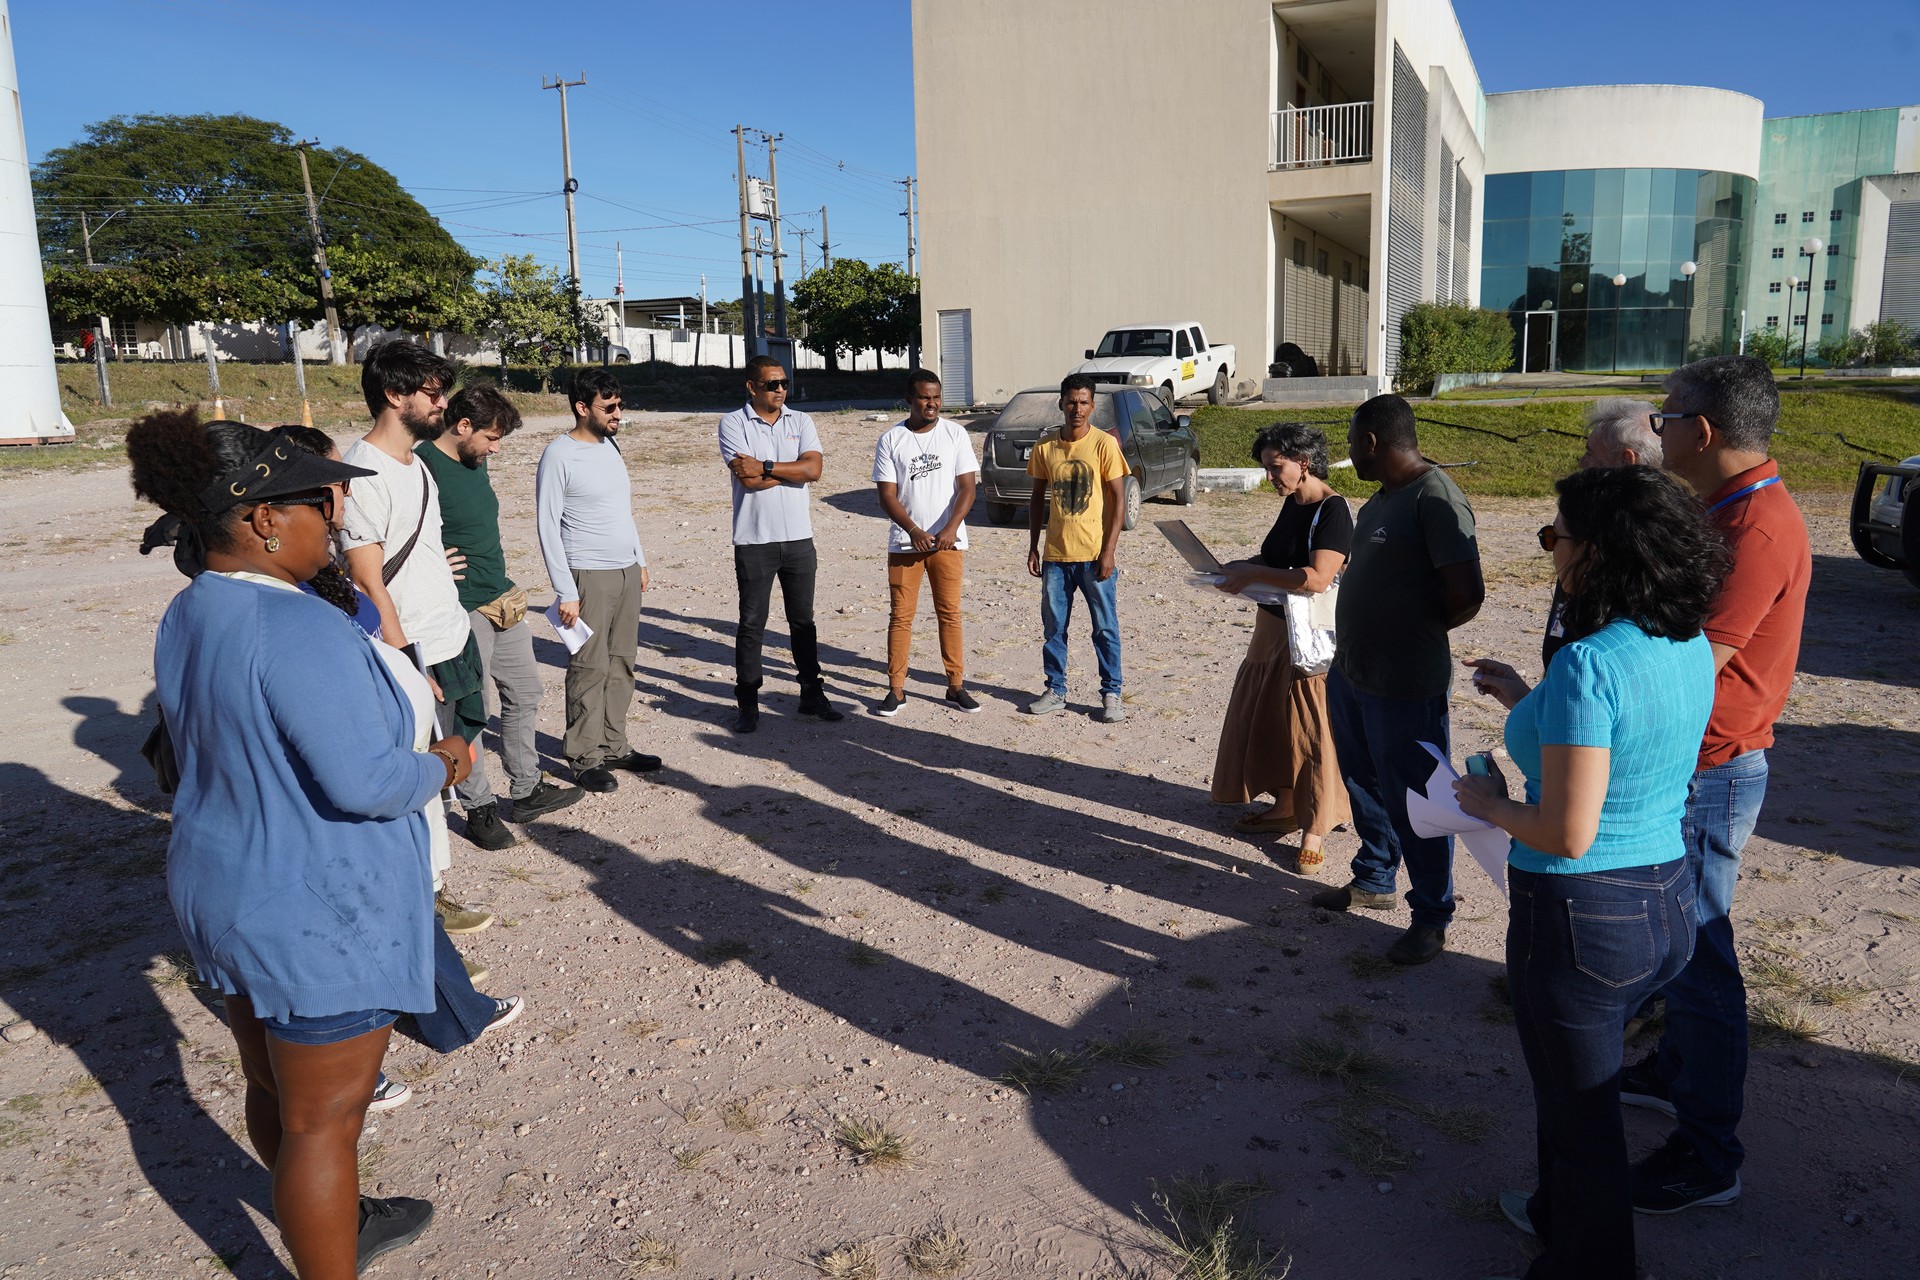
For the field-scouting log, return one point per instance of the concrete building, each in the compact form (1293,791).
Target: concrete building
(1280,170)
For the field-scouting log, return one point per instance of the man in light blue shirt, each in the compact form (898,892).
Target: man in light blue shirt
(772,454)
(599,572)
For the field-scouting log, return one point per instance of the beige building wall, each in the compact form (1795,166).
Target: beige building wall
(1089,164)
(1624,126)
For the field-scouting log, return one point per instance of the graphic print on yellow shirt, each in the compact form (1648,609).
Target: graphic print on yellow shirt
(1078,474)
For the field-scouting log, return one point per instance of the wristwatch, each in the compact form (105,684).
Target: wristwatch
(766,468)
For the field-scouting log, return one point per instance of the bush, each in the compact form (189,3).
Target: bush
(1770,345)
(1452,337)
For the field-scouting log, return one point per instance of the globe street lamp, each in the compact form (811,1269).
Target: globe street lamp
(1686,320)
(1810,250)
(1619,283)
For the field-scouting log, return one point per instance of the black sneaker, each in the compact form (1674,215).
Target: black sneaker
(1641,1086)
(890,705)
(596,779)
(813,702)
(386,1225)
(544,798)
(961,700)
(634,762)
(485,829)
(1675,1178)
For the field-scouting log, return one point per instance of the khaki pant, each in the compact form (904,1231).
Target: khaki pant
(904,571)
(600,676)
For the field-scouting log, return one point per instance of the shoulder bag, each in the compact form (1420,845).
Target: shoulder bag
(391,569)
(1310,636)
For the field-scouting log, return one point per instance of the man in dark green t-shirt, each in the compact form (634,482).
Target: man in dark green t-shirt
(1414,576)
(478,418)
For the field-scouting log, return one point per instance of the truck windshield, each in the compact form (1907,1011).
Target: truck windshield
(1136,342)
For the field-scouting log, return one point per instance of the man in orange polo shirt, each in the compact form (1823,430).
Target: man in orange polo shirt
(1715,427)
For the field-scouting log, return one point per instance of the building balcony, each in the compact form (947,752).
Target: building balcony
(1309,137)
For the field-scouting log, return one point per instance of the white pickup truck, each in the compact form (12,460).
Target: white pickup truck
(1176,358)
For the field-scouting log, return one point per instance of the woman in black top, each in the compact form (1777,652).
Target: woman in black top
(1276,739)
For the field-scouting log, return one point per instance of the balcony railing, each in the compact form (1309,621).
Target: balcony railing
(1339,134)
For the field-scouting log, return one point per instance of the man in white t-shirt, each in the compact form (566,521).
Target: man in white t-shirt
(925,471)
(390,529)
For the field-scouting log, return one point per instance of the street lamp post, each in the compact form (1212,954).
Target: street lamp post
(1686,320)
(1811,251)
(1793,292)
(1619,283)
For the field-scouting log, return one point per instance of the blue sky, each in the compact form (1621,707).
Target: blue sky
(447,96)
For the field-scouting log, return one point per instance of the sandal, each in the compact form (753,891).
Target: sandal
(1261,824)
(1310,860)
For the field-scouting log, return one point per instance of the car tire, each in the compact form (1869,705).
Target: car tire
(1217,393)
(623,360)
(1166,393)
(1001,512)
(1131,509)
(1189,485)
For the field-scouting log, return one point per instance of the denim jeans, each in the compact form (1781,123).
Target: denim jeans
(1703,1054)
(1582,952)
(1059,580)
(460,1013)
(755,566)
(1378,742)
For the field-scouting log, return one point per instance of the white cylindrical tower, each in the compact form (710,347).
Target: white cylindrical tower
(29,392)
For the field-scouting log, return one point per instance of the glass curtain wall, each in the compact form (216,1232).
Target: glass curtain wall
(1555,240)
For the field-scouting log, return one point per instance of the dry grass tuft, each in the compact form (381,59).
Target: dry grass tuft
(847,1262)
(1136,1047)
(1468,1206)
(649,1254)
(1346,1064)
(1892,1059)
(871,1143)
(687,1159)
(1367,1144)
(1047,1072)
(643,1027)
(1366,965)
(937,1251)
(1773,1022)
(420,1070)
(1347,1019)
(741,1116)
(1457,1124)
(863,956)
(1202,1238)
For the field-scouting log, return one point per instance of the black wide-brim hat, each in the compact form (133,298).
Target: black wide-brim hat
(281,468)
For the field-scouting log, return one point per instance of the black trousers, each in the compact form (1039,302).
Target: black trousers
(754,568)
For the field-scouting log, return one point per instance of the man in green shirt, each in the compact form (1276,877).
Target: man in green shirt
(1413,577)
(478,419)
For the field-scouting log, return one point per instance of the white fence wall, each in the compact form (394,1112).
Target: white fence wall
(729,350)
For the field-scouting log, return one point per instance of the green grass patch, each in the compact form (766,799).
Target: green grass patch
(1825,433)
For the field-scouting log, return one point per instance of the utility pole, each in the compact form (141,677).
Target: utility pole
(908,215)
(335,354)
(86,239)
(568,188)
(773,218)
(703,302)
(620,289)
(749,304)
(802,234)
(826,246)
(913,347)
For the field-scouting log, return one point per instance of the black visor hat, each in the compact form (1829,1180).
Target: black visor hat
(280,469)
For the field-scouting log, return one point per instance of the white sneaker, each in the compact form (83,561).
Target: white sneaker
(1111,712)
(505,1012)
(389,1094)
(1046,704)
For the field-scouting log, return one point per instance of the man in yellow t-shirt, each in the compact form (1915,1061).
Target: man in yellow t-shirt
(1087,475)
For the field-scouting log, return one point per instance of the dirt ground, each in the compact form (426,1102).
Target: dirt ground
(870,920)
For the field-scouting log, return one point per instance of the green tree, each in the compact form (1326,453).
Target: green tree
(528,309)
(415,293)
(1452,337)
(851,306)
(211,207)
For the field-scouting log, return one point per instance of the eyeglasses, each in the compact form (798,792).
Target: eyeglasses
(323,500)
(1658,421)
(773,384)
(1551,537)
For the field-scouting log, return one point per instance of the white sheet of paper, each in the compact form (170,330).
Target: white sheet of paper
(574,636)
(1437,813)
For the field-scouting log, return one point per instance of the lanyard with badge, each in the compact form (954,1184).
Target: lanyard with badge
(1737,494)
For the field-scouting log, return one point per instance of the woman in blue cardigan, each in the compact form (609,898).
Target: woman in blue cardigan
(298,863)
(1602,910)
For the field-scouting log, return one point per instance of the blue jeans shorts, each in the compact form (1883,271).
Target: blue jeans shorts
(330,1029)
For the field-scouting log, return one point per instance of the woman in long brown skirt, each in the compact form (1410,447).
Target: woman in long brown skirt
(1276,739)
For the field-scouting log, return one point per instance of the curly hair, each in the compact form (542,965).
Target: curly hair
(1301,441)
(1650,554)
(173,456)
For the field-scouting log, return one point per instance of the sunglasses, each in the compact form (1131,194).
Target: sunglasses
(323,500)
(1551,537)
(1658,421)
(774,384)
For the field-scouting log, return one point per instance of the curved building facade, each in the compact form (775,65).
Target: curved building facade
(1591,185)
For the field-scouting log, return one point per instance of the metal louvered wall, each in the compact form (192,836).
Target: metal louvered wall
(1406,196)
(1443,242)
(1462,234)
(1900,282)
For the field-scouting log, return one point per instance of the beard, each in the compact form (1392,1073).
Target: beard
(424,426)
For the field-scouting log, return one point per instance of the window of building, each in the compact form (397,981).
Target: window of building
(1779,219)
(1799,319)
(1831,285)
(1773,286)
(1326,84)
(1300,59)
(1299,252)
(1834,216)
(1802,288)
(1807,216)
(1773,322)
(1826,317)
(1833,251)
(1779,252)
(1346,273)
(1320,261)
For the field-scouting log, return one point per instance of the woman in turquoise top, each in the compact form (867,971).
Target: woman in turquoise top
(1602,908)
(298,862)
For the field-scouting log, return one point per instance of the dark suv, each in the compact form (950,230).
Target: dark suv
(1161,450)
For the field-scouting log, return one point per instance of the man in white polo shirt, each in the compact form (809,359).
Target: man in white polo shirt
(772,454)
(925,472)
